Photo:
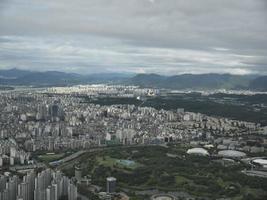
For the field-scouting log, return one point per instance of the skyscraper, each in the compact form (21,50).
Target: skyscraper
(111,184)
(78,173)
(12,187)
(3,181)
(72,192)
(23,191)
(30,179)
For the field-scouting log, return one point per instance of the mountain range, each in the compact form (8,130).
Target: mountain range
(55,78)
(183,81)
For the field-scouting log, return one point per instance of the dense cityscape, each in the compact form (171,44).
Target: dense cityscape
(51,127)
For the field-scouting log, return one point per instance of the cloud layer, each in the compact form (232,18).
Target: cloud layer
(148,36)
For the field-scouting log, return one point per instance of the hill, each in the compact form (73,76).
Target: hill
(192,81)
(259,83)
(52,78)
(177,82)
(13,73)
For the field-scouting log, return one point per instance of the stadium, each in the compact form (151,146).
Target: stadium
(231,154)
(198,151)
(163,197)
(260,162)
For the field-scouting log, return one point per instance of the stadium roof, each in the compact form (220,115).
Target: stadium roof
(198,151)
(231,154)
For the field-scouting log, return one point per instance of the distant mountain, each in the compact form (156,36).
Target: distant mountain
(13,73)
(259,83)
(51,78)
(192,81)
(148,80)
(184,81)
(115,78)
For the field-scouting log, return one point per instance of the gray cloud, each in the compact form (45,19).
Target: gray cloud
(167,36)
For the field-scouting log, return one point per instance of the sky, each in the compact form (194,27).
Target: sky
(134,36)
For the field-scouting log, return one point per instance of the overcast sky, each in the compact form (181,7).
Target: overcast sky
(140,36)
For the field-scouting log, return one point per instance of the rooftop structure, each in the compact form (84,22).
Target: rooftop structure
(163,197)
(232,154)
(198,151)
(260,161)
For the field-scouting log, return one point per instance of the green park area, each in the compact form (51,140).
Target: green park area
(50,157)
(147,168)
(117,163)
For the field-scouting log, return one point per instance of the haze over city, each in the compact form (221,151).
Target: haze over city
(134,36)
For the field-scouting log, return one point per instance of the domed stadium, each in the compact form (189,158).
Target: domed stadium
(260,162)
(162,197)
(232,154)
(198,151)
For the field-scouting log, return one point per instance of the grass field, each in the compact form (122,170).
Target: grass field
(117,163)
(51,157)
(180,180)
